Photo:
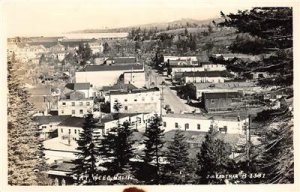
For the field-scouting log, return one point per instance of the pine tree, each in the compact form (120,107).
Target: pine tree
(276,154)
(213,158)
(177,157)
(85,163)
(117,147)
(23,141)
(153,145)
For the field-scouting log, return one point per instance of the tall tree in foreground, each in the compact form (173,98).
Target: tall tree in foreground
(178,159)
(153,145)
(85,164)
(213,158)
(117,147)
(277,153)
(23,141)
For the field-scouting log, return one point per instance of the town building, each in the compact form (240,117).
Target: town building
(96,47)
(221,101)
(105,75)
(48,125)
(231,124)
(137,101)
(235,86)
(206,77)
(75,104)
(137,78)
(85,88)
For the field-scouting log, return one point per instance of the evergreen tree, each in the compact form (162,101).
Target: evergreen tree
(117,148)
(86,160)
(153,146)
(177,157)
(276,154)
(213,158)
(106,48)
(23,141)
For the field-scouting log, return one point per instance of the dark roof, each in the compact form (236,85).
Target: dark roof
(119,87)
(78,86)
(186,66)
(134,91)
(49,119)
(123,60)
(113,67)
(207,74)
(62,166)
(217,95)
(73,122)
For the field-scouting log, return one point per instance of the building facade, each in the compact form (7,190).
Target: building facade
(221,101)
(105,75)
(198,122)
(136,78)
(75,107)
(137,101)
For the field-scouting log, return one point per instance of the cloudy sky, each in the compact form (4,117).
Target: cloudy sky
(45,17)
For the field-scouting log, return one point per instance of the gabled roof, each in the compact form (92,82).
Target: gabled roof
(78,86)
(49,119)
(135,66)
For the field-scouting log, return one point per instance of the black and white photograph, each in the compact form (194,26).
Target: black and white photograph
(148,93)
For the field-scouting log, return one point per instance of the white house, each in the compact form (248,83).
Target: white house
(136,78)
(137,101)
(96,47)
(199,122)
(213,67)
(105,75)
(48,125)
(75,104)
(206,76)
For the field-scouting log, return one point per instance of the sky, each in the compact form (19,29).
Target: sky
(44,17)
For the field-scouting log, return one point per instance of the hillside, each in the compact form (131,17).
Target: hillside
(186,22)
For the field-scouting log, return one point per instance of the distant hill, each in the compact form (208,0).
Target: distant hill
(186,22)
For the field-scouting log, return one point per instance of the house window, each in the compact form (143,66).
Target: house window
(125,108)
(87,103)
(62,130)
(143,99)
(135,99)
(73,103)
(73,112)
(125,100)
(198,126)
(165,124)
(64,103)
(81,103)
(176,125)
(186,126)
(69,131)
(75,131)
(138,120)
(50,125)
(116,100)
(212,101)
(44,127)
(62,112)
(81,111)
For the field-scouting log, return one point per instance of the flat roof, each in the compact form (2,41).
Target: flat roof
(217,95)
(78,86)
(90,68)
(207,74)
(221,116)
(223,85)
(133,91)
